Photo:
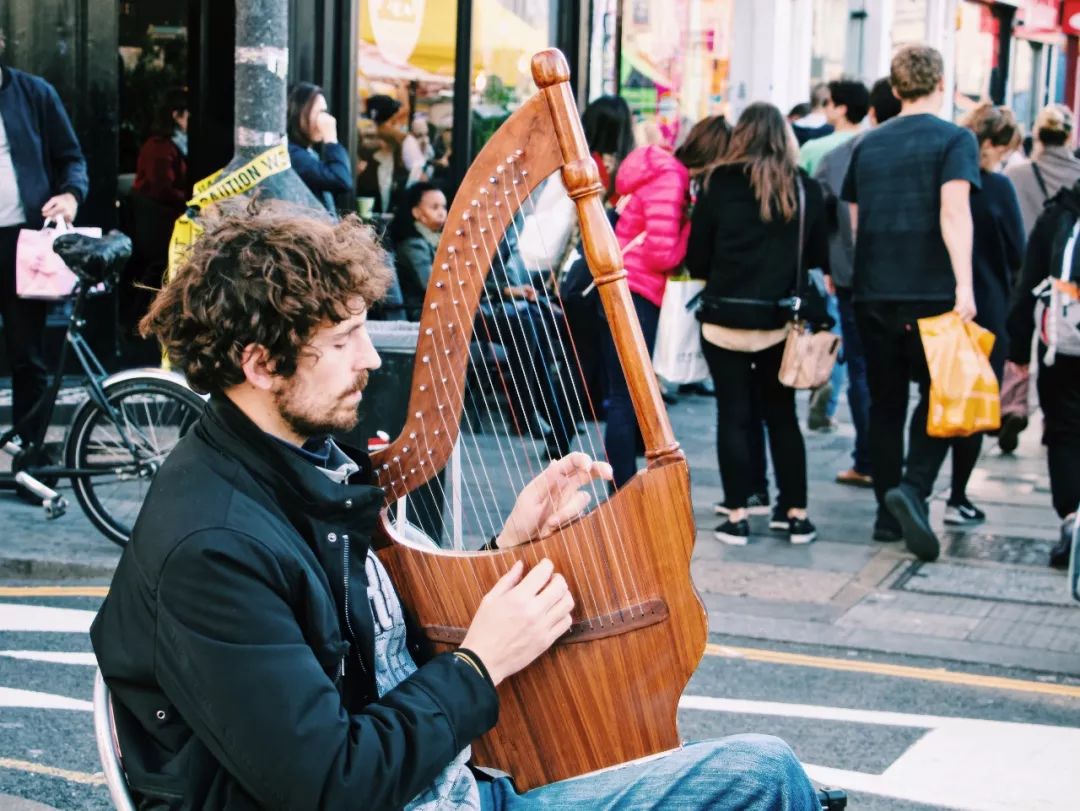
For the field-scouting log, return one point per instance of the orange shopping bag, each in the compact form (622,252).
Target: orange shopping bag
(964,396)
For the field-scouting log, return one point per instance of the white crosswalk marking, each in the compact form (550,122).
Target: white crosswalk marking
(53,656)
(960,763)
(32,699)
(42,618)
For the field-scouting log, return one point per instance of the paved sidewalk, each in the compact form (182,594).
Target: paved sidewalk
(989,599)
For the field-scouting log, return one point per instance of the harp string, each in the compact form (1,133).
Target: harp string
(574,530)
(614,525)
(514,373)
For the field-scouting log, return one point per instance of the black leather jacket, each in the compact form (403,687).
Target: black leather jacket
(241,676)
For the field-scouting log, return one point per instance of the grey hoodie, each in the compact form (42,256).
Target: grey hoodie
(1059,169)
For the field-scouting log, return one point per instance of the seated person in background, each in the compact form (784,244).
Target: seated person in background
(316,156)
(259,659)
(415,231)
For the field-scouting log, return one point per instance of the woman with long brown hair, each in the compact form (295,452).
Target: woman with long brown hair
(744,241)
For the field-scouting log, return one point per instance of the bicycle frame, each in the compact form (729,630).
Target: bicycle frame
(45,406)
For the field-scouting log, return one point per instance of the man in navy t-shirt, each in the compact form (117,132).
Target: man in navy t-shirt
(909,184)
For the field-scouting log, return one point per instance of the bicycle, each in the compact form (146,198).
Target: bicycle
(120,434)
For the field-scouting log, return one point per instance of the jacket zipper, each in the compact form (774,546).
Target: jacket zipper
(348,622)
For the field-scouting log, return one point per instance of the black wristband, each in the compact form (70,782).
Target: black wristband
(475,660)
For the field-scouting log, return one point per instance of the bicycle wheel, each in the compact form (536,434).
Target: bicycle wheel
(124,455)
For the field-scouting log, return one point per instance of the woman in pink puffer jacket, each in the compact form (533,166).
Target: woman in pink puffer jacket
(653,228)
(653,224)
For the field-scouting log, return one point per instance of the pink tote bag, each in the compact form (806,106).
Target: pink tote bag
(40,273)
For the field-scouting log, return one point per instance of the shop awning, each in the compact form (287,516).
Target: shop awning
(500,38)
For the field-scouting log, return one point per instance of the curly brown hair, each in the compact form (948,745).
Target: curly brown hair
(267,274)
(916,71)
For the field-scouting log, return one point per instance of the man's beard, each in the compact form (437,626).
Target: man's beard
(308,419)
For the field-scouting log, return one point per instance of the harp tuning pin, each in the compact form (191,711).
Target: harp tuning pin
(524,172)
(466,216)
(491,179)
(437,431)
(444,380)
(445,266)
(426,358)
(434,305)
(428,330)
(405,449)
(386,467)
(412,470)
(397,458)
(461,231)
(451,249)
(468,263)
(418,415)
(412,435)
(423,387)
(475,204)
(438,284)
(498,170)
(449,326)
(461,282)
(456,302)
(445,352)
(475,246)
(519,152)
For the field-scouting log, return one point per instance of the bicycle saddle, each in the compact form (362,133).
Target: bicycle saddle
(94,260)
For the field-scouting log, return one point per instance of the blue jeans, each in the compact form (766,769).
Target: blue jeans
(621,436)
(752,772)
(858,384)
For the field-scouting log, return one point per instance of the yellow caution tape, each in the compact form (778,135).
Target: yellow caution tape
(215,188)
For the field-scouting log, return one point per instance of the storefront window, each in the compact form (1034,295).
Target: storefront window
(405,81)
(505,35)
(976,50)
(829,41)
(675,63)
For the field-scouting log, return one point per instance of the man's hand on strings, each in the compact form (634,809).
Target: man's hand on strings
(552,499)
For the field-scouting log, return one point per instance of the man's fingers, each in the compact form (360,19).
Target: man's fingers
(574,506)
(538,577)
(508,580)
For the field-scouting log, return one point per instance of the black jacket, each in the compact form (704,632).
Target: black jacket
(44,150)
(224,641)
(1044,255)
(749,264)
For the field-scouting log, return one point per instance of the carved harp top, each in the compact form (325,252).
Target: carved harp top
(542,136)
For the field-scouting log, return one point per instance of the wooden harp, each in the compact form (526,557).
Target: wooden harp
(608,691)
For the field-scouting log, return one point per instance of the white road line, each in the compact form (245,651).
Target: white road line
(31,699)
(55,657)
(961,763)
(43,618)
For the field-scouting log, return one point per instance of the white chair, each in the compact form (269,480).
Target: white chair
(108,746)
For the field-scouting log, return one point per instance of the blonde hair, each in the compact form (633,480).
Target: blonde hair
(994,124)
(916,71)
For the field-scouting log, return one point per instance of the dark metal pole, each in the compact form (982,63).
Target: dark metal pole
(461,143)
(262,64)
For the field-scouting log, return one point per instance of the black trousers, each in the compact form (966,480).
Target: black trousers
(1059,398)
(895,357)
(747,391)
(24,334)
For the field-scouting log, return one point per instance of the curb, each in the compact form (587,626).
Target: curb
(36,568)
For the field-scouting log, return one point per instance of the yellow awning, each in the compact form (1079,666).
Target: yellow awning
(500,38)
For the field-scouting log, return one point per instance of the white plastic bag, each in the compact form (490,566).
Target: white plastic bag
(678,357)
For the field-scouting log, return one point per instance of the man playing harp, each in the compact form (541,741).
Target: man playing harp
(257,653)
